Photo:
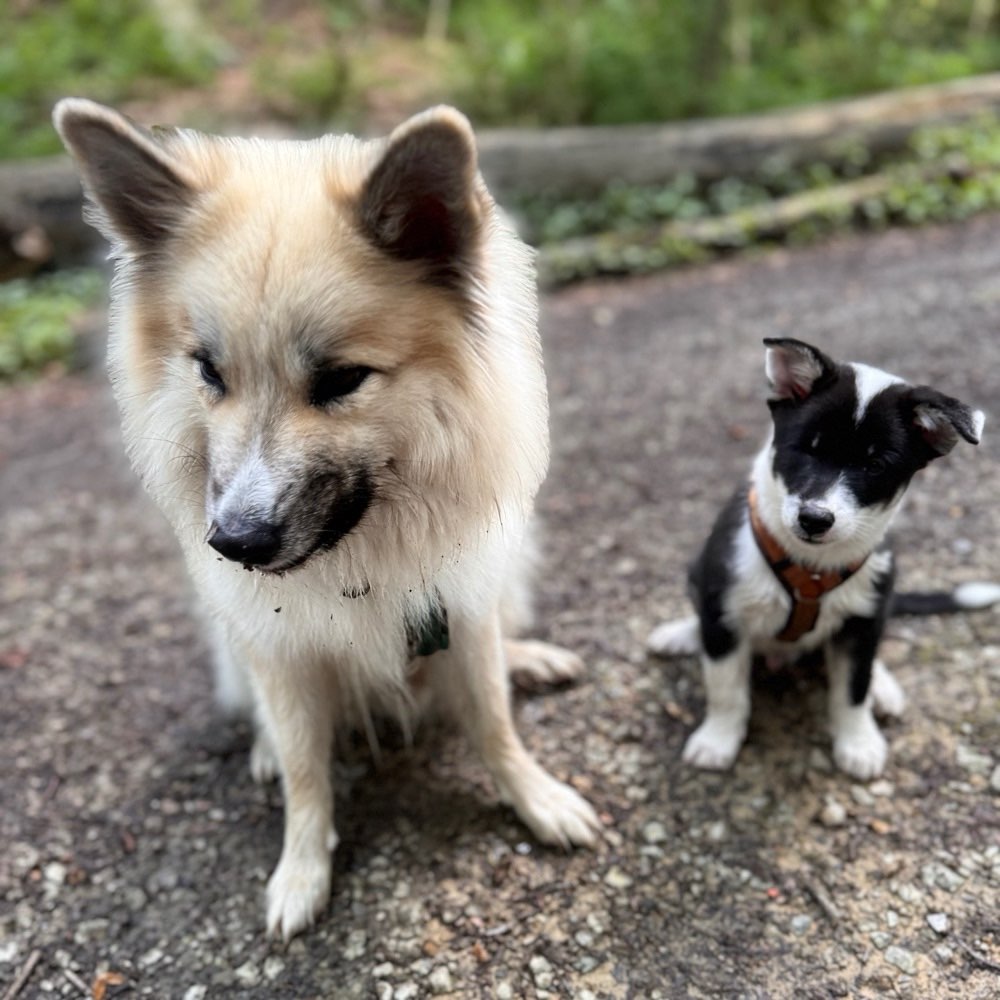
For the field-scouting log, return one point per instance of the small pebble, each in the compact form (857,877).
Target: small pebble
(440,980)
(541,971)
(995,779)
(862,796)
(901,958)
(55,872)
(938,922)
(248,974)
(972,760)
(406,991)
(881,939)
(833,814)
(943,953)
(654,833)
(617,879)
(800,923)
(354,947)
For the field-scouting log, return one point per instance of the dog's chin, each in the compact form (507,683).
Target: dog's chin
(290,563)
(814,540)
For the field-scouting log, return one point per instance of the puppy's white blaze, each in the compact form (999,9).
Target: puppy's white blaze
(868,383)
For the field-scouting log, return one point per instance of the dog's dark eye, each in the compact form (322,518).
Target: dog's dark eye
(334,383)
(875,466)
(209,373)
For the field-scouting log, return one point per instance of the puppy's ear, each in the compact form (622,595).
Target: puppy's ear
(940,420)
(139,193)
(794,369)
(420,201)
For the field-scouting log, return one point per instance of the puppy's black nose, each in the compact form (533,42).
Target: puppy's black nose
(815,520)
(253,543)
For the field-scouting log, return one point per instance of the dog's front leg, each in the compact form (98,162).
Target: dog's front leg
(716,742)
(859,748)
(472,679)
(294,703)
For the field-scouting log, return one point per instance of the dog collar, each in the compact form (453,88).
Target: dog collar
(806,587)
(429,635)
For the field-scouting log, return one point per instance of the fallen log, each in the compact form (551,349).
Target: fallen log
(40,217)
(648,247)
(578,161)
(40,200)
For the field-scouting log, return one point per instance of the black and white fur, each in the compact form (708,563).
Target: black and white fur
(845,443)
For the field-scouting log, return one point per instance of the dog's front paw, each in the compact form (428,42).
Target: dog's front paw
(715,743)
(530,663)
(264,766)
(676,638)
(860,749)
(888,698)
(296,893)
(555,813)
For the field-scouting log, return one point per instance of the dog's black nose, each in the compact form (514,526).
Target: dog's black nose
(815,520)
(253,543)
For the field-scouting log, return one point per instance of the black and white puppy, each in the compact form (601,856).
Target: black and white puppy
(798,560)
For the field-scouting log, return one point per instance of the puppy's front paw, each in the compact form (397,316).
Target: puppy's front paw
(555,813)
(887,696)
(530,662)
(860,749)
(676,638)
(715,743)
(296,893)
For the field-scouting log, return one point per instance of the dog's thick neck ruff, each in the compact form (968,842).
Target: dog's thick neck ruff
(804,585)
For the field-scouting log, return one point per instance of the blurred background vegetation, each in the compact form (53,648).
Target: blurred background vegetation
(529,62)
(363,65)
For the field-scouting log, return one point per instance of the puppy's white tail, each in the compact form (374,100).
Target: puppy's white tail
(965,597)
(676,638)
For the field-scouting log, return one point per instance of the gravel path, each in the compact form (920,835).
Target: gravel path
(135,847)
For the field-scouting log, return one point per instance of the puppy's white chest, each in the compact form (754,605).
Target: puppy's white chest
(758,606)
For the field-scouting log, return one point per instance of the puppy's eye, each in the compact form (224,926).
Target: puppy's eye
(209,373)
(875,466)
(334,383)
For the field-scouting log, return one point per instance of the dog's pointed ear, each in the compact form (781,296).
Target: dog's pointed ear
(941,420)
(794,369)
(420,200)
(139,192)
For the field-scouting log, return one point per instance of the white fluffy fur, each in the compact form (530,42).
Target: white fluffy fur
(290,255)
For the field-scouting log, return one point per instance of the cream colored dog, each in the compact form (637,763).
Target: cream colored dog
(327,364)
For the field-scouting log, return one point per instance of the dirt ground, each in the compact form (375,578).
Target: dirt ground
(135,847)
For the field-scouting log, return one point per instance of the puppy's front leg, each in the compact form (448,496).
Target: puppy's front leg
(294,702)
(859,748)
(472,678)
(716,742)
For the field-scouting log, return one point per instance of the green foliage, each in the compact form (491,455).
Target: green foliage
(616,61)
(37,316)
(309,88)
(946,174)
(92,47)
